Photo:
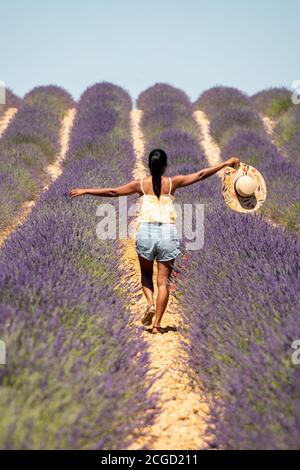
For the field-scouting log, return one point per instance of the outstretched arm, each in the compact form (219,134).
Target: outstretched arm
(179,181)
(125,190)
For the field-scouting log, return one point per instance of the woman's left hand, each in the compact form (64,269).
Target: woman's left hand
(77,192)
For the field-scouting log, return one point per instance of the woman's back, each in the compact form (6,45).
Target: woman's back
(166,185)
(154,209)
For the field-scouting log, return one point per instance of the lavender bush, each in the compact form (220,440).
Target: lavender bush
(160,94)
(51,98)
(219,98)
(273,102)
(226,124)
(76,370)
(107,131)
(240,299)
(37,126)
(173,107)
(39,119)
(30,142)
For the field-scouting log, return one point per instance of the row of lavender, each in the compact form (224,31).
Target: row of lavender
(75,372)
(238,129)
(283,107)
(239,295)
(28,145)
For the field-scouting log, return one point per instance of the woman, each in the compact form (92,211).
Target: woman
(156,236)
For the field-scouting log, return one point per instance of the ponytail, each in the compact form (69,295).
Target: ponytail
(157,163)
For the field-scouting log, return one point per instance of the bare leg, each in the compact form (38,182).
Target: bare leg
(147,279)
(164,270)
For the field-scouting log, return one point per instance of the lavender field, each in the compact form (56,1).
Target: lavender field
(77,371)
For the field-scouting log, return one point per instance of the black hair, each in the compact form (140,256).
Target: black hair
(157,163)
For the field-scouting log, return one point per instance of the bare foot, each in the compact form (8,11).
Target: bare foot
(156,329)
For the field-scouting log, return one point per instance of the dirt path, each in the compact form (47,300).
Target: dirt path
(212,150)
(53,171)
(181,422)
(6,118)
(269,124)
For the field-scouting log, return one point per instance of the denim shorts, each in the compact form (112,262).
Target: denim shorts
(157,240)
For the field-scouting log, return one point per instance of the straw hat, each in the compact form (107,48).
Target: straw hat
(243,188)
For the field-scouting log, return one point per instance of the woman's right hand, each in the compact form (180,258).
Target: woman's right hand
(77,192)
(233,161)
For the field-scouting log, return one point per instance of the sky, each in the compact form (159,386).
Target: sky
(190,44)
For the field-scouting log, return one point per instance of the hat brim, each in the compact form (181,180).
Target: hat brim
(232,199)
